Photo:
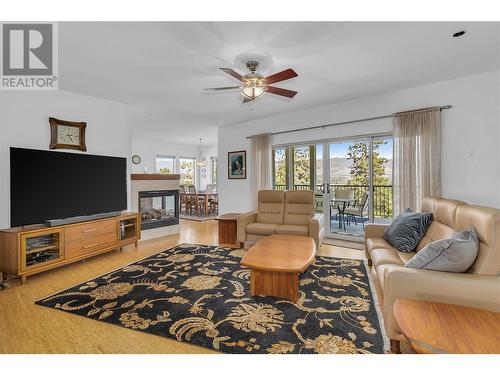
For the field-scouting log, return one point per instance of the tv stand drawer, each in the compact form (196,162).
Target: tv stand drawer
(87,230)
(89,245)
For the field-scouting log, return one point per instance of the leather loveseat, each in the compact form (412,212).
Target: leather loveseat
(280,212)
(478,287)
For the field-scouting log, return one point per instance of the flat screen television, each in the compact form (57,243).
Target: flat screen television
(52,185)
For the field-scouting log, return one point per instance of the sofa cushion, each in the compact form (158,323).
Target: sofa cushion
(380,270)
(377,243)
(486,221)
(261,228)
(299,207)
(406,231)
(299,230)
(405,257)
(270,206)
(437,231)
(454,254)
(386,256)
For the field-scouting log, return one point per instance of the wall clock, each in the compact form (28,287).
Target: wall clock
(136,159)
(67,134)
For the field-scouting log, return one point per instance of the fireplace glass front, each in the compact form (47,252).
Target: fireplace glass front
(159,208)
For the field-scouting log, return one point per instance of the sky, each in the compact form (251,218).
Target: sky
(339,150)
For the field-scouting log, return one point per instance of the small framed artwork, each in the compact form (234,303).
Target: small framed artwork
(237,165)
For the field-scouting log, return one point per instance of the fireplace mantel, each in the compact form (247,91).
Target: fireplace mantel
(155,176)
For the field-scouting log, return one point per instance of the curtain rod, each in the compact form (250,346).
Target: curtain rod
(349,122)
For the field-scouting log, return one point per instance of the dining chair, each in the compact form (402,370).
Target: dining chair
(210,189)
(213,201)
(183,198)
(197,202)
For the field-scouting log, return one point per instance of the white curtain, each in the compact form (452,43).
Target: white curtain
(417,157)
(260,177)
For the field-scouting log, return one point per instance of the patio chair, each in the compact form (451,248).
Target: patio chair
(339,195)
(318,201)
(360,209)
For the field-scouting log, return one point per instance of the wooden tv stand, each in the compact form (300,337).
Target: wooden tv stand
(32,249)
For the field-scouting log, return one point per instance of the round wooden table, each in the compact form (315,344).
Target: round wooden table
(433,327)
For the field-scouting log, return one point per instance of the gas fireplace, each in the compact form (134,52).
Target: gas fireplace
(159,208)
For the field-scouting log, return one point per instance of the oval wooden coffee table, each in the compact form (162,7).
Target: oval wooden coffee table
(275,264)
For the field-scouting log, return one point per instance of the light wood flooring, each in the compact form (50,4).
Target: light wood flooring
(29,328)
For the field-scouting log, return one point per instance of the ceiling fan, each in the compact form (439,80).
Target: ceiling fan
(254,85)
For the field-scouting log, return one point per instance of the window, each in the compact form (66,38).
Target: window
(293,167)
(187,167)
(165,164)
(280,168)
(302,167)
(213,169)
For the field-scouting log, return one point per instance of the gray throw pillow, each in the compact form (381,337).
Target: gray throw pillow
(454,254)
(406,231)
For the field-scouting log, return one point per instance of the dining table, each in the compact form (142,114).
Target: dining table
(342,204)
(206,197)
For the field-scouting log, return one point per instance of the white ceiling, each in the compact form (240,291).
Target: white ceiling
(162,67)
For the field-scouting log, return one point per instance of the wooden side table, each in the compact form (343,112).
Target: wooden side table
(435,327)
(227,229)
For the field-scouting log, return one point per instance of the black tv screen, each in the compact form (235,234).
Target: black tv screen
(50,185)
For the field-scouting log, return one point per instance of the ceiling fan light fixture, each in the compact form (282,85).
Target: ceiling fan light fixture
(252,92)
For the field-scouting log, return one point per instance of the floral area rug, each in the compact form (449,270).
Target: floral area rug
(200,295)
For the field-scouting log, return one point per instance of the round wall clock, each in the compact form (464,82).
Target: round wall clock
(136,159)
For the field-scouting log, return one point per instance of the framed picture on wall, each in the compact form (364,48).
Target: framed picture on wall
(237,165)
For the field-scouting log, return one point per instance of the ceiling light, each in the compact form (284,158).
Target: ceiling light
(201,161)
(253,92)
(458,34)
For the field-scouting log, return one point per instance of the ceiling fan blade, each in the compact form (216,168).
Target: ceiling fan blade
(246,100)
(231,72)
(282,92)
(281,76)
(222,88)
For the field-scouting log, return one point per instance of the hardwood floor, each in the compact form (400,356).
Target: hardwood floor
(29,328)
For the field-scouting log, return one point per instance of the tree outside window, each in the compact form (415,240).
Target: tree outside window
(187,171)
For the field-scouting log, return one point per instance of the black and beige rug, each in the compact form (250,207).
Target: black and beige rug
(200,295)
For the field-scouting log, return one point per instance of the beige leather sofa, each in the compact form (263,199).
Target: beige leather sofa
(290,212)
(478,287)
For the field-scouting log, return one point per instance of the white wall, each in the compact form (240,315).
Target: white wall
(149,150)
(24,123)
(470,135)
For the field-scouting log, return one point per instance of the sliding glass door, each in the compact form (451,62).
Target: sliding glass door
(351,180)
(359,184)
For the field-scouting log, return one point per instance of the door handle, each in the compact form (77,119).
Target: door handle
(89,230)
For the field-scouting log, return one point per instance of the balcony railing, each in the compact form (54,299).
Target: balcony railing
(382,195)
